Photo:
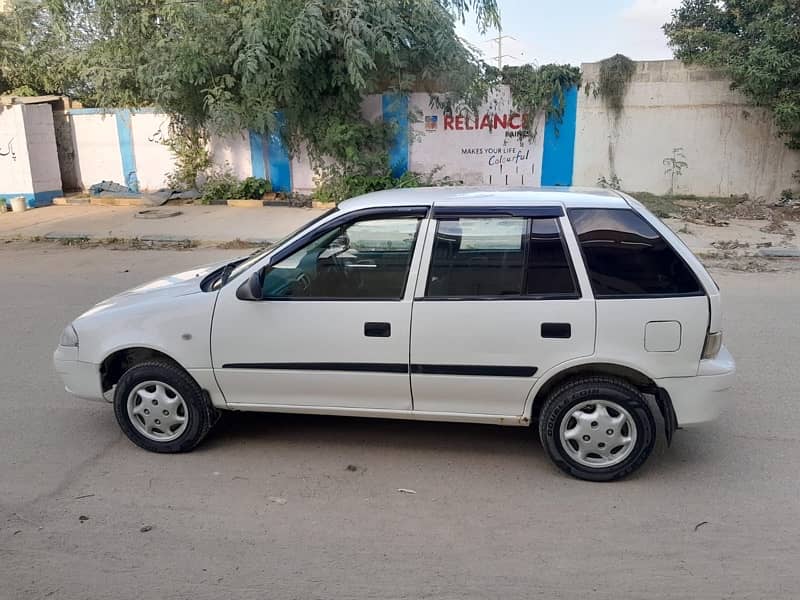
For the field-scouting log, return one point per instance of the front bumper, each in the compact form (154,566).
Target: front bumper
(701,398)
(80,379)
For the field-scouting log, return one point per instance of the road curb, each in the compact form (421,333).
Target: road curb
(779,252)
(65,236)
(145,240)
(171,240)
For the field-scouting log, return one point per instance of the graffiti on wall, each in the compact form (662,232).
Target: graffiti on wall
(9,150)
(160,135)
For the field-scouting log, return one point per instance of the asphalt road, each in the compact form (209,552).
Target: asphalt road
(268,508)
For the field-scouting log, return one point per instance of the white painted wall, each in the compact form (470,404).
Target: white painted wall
(96,145)
(233,152)
(97,153)
(303,176)
(477,156)
(154,161)
(731,147)
(487,155)
(41,141)
(15,172)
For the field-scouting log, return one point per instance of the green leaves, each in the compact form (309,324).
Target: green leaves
(756,42)
(537,90)
(225,65)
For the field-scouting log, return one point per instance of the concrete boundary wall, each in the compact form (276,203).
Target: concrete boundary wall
(730,146)
(491,147)
(28,158)
(126,146)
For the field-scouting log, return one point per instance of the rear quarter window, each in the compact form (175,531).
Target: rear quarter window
(625,256)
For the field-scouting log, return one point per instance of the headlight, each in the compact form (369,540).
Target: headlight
(69,337)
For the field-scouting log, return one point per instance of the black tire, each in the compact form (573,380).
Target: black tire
(558,407)
(201,414)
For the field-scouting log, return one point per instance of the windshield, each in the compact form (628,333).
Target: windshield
(261,252)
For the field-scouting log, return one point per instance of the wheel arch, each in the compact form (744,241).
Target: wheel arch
(543,387)
(115,364)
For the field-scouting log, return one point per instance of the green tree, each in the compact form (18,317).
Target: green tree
(756,42)
(224,65)
(34,57)
(229,65)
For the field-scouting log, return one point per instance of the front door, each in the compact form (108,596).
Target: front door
(333,328)
(498,305)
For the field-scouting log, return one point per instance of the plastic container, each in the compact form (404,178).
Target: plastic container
(18,204)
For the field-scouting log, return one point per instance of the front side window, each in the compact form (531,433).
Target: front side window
(499,257)
(625,256)
(367,259)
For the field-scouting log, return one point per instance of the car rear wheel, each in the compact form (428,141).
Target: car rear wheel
(161,408)
(597,428)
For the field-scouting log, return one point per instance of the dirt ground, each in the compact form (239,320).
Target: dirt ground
(731,233)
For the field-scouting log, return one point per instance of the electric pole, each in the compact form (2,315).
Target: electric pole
(499,41)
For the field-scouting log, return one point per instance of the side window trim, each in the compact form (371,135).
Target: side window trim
(348,219)
(531,214)
(535,212)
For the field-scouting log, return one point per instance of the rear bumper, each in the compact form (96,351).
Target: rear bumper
(80,379)
(701,398)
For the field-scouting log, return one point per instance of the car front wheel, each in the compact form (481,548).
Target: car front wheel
(161,408)
(597,428)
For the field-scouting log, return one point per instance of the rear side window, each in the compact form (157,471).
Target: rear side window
(499,257)
(625,256)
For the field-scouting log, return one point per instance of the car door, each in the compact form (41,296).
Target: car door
(497,304)
(333,327)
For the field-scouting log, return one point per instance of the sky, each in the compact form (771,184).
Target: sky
(576,31)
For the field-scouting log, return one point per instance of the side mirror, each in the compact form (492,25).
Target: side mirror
(252,289)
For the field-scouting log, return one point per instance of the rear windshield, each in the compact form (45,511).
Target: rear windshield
(625,256)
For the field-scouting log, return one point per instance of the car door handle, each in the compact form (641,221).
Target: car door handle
(377,329)
(557,330)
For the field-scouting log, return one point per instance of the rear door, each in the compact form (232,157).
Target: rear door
(497,302)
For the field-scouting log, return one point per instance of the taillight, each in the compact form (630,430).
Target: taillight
(713,344)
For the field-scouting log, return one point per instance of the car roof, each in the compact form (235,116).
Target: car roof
(568,197)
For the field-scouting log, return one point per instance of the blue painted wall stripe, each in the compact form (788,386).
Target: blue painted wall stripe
(33,199)
(111,111)
(280,167)
(258,167)
(90,111)
(125,137)
(559,143)
(395,112)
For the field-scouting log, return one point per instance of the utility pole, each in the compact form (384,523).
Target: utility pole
(499,41)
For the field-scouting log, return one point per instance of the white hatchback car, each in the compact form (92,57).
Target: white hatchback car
(576,310)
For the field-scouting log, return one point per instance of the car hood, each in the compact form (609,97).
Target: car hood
(169,286)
